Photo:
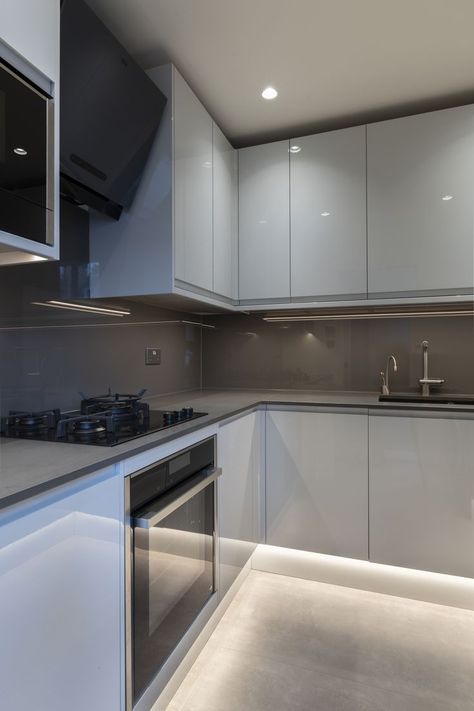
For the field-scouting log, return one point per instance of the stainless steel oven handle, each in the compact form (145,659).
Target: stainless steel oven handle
(157,513)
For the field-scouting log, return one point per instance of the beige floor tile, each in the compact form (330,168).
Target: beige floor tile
(286,643)
(424,649)
(236,681)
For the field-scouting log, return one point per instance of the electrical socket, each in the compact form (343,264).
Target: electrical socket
(152,356)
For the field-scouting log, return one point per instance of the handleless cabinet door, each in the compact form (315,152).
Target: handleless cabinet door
(420,172)
(422,493)
(193,188)
(328,220)
(61,599)
(224,214)
(316,482)
(240,454)
(264,237)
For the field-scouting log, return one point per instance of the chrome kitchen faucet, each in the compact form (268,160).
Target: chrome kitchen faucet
(385,383)
(425,381)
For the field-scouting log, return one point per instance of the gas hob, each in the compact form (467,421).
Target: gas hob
(105,420)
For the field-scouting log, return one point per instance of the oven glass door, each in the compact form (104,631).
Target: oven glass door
(25,161)
(173,578)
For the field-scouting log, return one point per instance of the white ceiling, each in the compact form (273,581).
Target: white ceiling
(334,62)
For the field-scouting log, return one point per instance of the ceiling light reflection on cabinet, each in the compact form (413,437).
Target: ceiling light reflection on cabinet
(20,151)
(325,214)
(447,197)
(295,149)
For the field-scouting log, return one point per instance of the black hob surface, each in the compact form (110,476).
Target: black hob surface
(106,420)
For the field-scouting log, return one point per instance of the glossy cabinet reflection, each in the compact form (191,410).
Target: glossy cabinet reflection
(420,187)
(224,206)
(422,493)
(61,600)
(264,230)
(316,481)
(328,221)
(192,188)
(240,503)
(29,131)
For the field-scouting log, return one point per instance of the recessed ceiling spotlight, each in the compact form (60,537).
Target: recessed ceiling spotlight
(295,149)
(269,93)
(447,197)
(20,151)
(325,214)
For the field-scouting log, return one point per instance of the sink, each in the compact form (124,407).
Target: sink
(441,399)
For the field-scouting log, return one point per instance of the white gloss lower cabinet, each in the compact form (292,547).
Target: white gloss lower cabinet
(422,493)
(420,186)
(328,221)
(240,454)
(317,481)
(264,222)
(61,600)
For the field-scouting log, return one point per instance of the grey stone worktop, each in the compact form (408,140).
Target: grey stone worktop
(28,468)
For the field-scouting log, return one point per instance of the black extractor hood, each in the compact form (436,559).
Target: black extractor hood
(109,112)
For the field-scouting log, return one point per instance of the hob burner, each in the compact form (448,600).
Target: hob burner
(31,422)
(89,427)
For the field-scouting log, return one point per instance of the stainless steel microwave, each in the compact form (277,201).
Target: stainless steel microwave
(26,158)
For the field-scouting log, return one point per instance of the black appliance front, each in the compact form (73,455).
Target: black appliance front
(26,161)
(110,110)
(173,556)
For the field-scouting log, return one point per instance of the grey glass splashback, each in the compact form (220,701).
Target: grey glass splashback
(246,352)
(46,365)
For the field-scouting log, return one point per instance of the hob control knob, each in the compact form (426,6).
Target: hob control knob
(169,418)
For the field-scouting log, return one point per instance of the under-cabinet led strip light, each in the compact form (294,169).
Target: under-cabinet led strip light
(389,314)
(82,307)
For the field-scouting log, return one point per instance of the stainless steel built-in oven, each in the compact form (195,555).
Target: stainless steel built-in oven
(26,158)
(171,554)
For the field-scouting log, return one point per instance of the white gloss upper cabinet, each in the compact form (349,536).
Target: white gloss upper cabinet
(179,236)
(264,235)
(61,600)
(224,206)
(31,28)
(317,482)
(419,242)
(193,242)
(328,215)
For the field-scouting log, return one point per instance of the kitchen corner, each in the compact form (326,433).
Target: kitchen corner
(237,347)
